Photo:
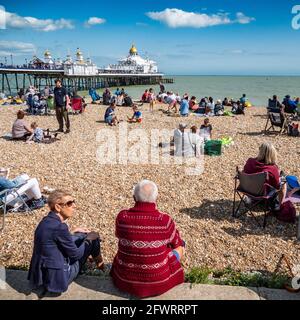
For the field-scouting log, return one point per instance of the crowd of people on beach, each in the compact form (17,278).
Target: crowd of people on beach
(63,101)
(150,248)
(186,104)
(288,105)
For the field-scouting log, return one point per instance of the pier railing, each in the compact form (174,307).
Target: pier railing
(12,80)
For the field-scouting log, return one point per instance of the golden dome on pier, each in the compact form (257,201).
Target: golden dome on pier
(133,50)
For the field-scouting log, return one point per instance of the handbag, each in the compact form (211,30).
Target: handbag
(287,212)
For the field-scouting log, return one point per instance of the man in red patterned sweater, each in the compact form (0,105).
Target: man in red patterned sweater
(150,248)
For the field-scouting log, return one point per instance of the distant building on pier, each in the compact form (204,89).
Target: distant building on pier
(133,63)
(79,67)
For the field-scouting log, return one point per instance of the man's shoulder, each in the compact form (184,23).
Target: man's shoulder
(122,214)
(166,219)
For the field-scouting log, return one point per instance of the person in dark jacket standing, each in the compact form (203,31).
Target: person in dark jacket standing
(60,101)
(58,256)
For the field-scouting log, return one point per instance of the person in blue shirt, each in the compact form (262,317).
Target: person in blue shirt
(184,107)
(243,100)
(137,115)
(290,106)
(109,116)
(118,92)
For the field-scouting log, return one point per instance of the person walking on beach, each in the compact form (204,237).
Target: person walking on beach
(162,88)
(60,101)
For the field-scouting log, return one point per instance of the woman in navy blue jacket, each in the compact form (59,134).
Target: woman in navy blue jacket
(58,255)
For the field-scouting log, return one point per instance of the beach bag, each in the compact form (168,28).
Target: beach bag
(293,130)
(213,148)
(287,212)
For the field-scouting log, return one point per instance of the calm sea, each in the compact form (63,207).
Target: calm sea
(258,89)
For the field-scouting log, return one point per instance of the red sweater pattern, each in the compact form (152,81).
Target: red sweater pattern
(145,264)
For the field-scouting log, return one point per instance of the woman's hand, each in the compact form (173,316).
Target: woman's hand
(93,236)
(81,230)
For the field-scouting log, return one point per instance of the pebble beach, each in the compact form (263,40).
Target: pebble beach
(201,205)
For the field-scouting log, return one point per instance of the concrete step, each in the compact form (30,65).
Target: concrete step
(101,288)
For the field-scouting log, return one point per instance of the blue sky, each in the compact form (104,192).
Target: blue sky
(238,37)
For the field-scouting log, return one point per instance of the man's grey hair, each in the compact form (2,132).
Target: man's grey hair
(182,125)
(145,191)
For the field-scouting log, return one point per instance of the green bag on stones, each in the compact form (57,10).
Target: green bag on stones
(213,148)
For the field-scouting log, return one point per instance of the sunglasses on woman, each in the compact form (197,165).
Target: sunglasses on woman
(67,204)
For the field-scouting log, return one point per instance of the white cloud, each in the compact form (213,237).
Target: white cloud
(12,20)
(16,48)
(241,18)
(176,18)
(92,21)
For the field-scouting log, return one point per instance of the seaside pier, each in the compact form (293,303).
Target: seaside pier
(14,79)
(81,74)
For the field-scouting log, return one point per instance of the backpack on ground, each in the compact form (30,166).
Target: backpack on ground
(287,212)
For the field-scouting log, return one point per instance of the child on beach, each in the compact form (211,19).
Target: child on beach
(137,115)
(37,135)
(151,99)
(205,130)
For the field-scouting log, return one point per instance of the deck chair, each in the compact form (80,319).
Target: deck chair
(4,204)
(276,119)
(76,105)
(94,95)
(49,105)
(255,188)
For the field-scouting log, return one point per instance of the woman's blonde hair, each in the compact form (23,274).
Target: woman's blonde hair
(56,196)
(267,153)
